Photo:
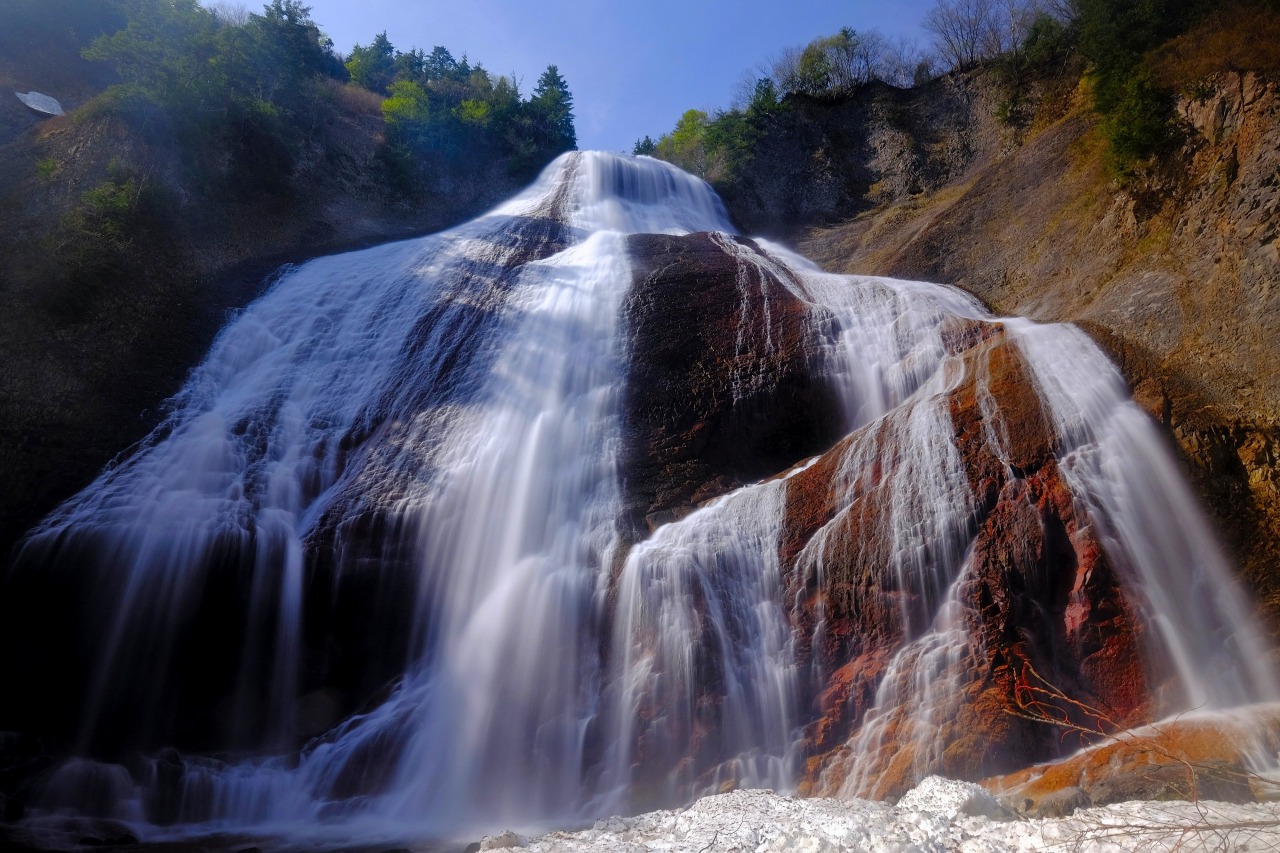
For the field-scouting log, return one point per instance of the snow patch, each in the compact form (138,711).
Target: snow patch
(949,798)
(935,817)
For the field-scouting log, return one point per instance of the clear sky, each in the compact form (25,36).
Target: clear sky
(633,67)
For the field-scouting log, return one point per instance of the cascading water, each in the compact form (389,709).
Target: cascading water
(436,428)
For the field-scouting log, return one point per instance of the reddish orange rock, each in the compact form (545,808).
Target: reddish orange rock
(1041,605)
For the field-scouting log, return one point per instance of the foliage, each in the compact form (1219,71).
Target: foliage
(247,89)
(1139,123)
(686,145)
(646,147)
(1048,45)
(217,83)
(407,110)
(1116,36)
(552,109)
(837,65)
(440,106)
(373,67)
(46,168)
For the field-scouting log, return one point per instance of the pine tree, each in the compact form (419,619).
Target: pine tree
(373,67)
(553,109)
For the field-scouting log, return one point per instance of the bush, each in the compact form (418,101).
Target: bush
(47,168)
(1117,37)
(1139,125)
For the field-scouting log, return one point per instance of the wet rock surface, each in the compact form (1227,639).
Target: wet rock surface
(1042,606)
(721,389)
(1204,757)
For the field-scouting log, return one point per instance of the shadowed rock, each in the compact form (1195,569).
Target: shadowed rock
(720,390)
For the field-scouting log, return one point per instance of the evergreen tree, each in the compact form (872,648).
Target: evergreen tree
(553,111)
(440,64)
(374,66)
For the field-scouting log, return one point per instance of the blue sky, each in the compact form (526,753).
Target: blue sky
(633,67)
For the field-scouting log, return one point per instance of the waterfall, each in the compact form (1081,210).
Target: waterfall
(372,576)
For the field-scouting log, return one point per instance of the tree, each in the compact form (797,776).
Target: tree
(961,30)
(814,74)
(645,146)
(440,64)
(373,67)
(168,51)
(407,109)
(832,66)
(764,98)
(552,106)
(686,145)
(965,32)
(281,48)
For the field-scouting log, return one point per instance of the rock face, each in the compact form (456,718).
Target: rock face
(824,162)
(1036,601)
(1179,285)
(1005,602)
(722,389)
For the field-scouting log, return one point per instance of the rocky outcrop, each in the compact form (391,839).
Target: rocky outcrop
(1205,758)
(721,389)
(822,161)
(1178,282)
(1036,602)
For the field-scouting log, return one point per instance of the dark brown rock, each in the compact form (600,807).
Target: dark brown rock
(721,389)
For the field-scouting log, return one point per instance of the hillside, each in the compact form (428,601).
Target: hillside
(1179,287)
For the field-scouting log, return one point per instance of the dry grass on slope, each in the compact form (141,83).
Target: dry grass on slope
(1243,35)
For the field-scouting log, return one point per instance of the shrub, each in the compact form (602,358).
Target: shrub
(47,168)
(1139,125)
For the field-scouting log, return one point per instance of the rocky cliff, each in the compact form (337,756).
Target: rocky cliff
(1176,279)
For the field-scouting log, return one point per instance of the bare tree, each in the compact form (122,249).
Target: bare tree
(906,64)
(1064,10)
(966,32)
(744,90)
(785,69)
(961,30)
(871,54)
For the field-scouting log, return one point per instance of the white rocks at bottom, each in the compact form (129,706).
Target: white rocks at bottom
(938,815)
